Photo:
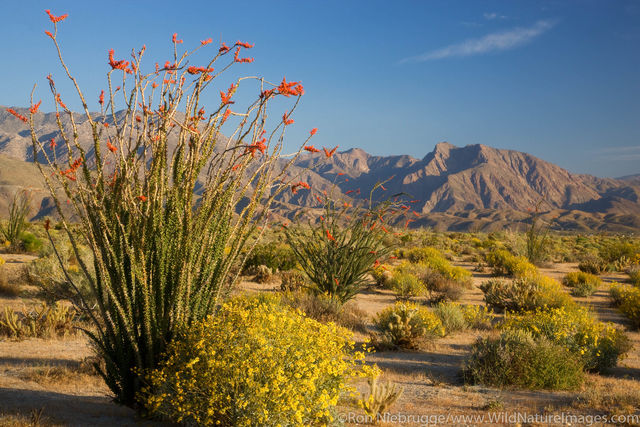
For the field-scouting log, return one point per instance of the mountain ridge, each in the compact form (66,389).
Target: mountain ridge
(454,186)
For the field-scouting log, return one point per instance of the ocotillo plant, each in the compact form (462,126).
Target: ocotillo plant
(164,200)
(18,211)
(343,245)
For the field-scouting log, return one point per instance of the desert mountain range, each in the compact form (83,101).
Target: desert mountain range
(475,187)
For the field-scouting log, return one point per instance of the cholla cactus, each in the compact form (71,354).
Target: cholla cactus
(381,397)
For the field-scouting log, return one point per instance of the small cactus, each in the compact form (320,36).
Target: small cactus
(381,397)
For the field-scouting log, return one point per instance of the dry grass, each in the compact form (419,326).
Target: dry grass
(610,395)
(71,373)
(34,419)
(8,288)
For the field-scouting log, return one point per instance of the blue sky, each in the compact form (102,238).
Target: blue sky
(558,79)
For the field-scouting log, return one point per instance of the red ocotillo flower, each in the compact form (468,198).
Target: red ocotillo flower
(34,108)
(52,143)
(329,236)
(226,97)
(111,147)
(224,48)
(174,38)
(17,115)
(117,65)
(142,198)
(313,131)
(330,153)
(236,57)
(225,116)
(49,34)
(101,98)
(286,120)
(311,149)
(206,42)
(245,45)
(290,88)
(56,19)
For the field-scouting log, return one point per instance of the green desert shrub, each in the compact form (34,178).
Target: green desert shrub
(577,330)
(434,260)
(275,255)
(255,363)
(627,299)
(592,264)
(407,325)
(405,285)
(452,316)
(634,274)
(503,263)
(618,249)
(582,284)
(29,242)
(524,294)
(516,358)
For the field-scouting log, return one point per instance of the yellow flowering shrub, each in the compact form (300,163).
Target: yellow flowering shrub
(255,363)
(1,261)
(504,263)
(433,258)
(599,344)
(478,316)
(627,299)
(407,325)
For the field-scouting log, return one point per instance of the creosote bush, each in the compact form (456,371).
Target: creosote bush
(452,316)
(525,294)
(165,202)
(405,285)
(627,299)
(256,363)
(582,284)
(516,358)
(277,256)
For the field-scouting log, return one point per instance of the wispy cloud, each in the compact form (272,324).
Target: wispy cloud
(494,42)
(490,16)
(622,153)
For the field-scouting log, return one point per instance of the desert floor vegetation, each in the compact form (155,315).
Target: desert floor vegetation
(436,363)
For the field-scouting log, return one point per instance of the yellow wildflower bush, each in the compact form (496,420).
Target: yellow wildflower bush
(435,260)
(504,263)
(477,316)
(255,363)
(599,344)
(2,261)
(627,299)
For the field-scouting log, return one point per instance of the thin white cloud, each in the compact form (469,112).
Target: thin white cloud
(494,42)
(490,16)
(620,149)
(620,154)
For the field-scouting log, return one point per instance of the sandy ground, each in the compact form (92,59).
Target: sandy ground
(31,382)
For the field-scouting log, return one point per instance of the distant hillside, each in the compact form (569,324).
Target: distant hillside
(456,188)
